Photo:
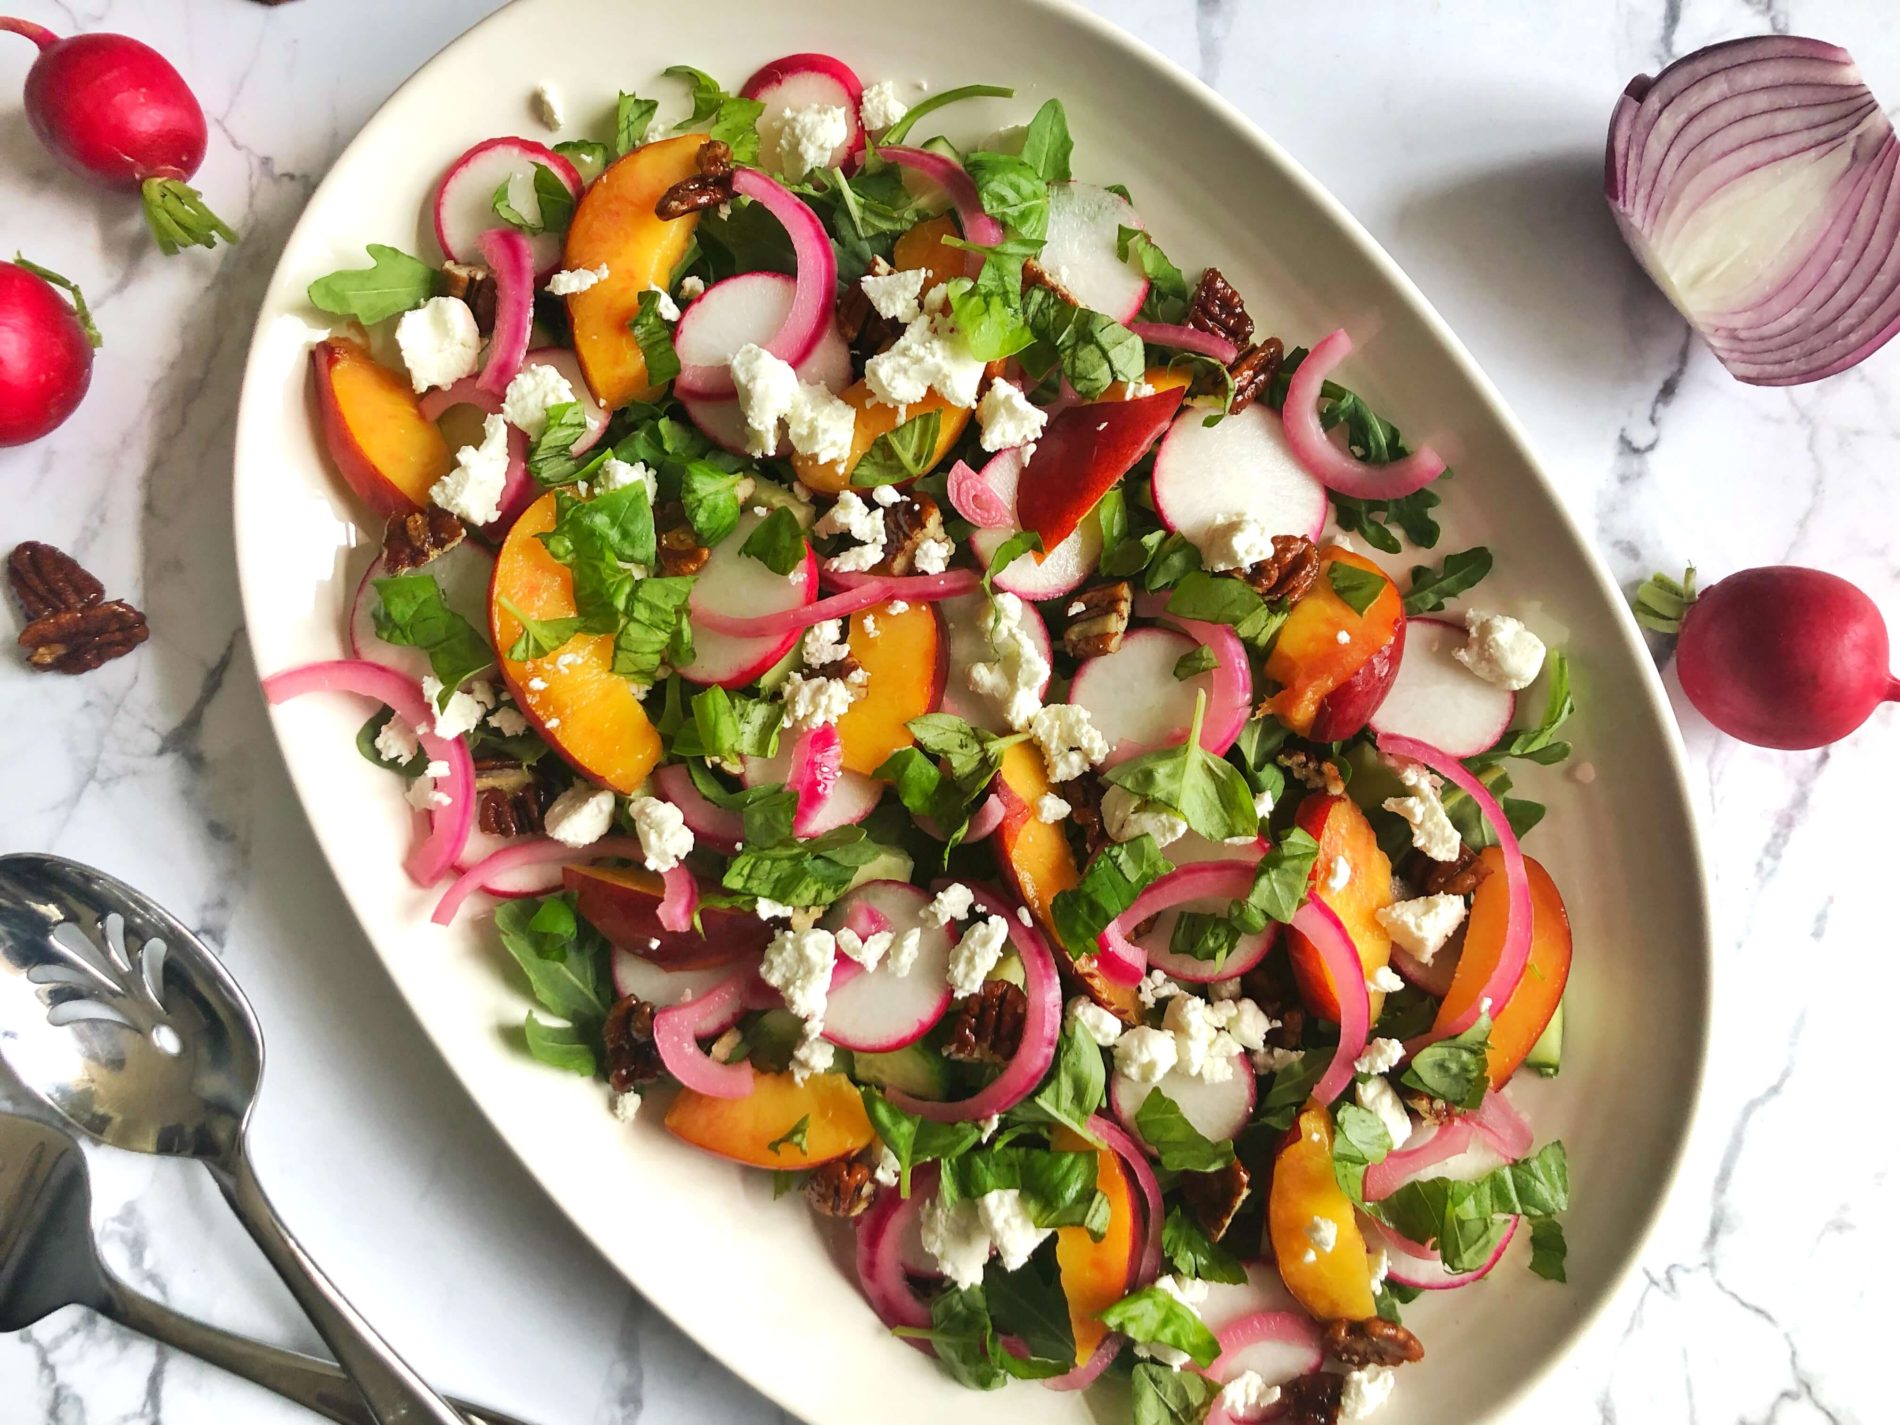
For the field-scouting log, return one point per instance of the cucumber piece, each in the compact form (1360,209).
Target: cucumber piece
(890,864)
(1547,1053)
(915,1069)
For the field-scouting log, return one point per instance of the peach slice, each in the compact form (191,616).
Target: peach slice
(385,449)
(904,664)
(1083,451)
(615,225)
(742,1128)
(1095,1274)
(1343,832)
(623,905)
(1335,1285)
(924,247)
(1309,660)
(588,712)
(1516,1027)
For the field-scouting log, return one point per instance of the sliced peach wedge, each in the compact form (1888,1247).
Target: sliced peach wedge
(904,666)
(385,449)
(1095,1274)
(588,712)
(743,1129)
(1324,643)
(1345,839)
(1307,1210)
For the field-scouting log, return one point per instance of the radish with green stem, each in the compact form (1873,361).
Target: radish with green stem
(46,350)
(115,111)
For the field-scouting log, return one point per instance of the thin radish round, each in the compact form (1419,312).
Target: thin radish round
(749,308)
(1080,254)
(1422,1269)
(737,584)
(801,81)
(463,575)
(1434,978)
(1277,1346)
(1248,951)
(878,1011)
(853,797)
(1219,1110)
(1063,569)
(1262,1291)
(966,620)
(1206,477)
(711,825)
(654,984)
(1134,698)
(1436,699)
(569,366)
(465,199)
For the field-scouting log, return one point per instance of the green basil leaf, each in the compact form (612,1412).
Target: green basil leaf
(1172,562)
(655,338)
(899,454)
(1076,1088)
(1093,350)
(710,494)
(1281,879)
(777,542)
(1289,1091)
(1548,1249)
(551,458)
(1168,291)
(1197,660)
(1011,191)
(1153,1317)
(1454,1069)
(633,118)
(1357,587)
(808,873)
(538,637)
(589,158)
(793,1137)
(411,613)
(1206,791)
(1046,143)
(563,957)
(1019,545)
(707,93)
(1165,1397)
(561,1046)
(1359,1140)
(395,283)
(1178,1145)
(990,317)
(1192,1253)
(651,632)
(1028,1305)
(1114,878)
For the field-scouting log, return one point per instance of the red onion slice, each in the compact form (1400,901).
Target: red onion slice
(511,261)
(817,759)
(466,392)
(541,851)
(879,1254)
(678,1028)
(1086,1374)
(1509,1131)
(978,226)
(1186,338)
(678,901)
(861,591)
(1333,466)
(1317,922)
(1119,957)
(1392,1172)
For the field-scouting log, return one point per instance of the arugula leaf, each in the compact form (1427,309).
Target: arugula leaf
(655,338)
(1153,1317)
(1453,1069)
(777,542)
(899,454)
(1047,145)
(563,957)
(707,93)
(1165,1397)
(1093,350)
(965,1343)
(930,104)
(1168,291)
(654,628)
(1356,587)
(1028,1304)
(1461,571)
(812,872)
(1197,660)
(1075,1090)
(561,1046)
(1359,1140)
(1204,790)
(395,283)
(633,118)
(538,637)
(1114,878)
(794,1137)
(1192,1253)
(1178,1145)
(736,125)
(551,458)
(1539,744)
(411,613)
(1011,191)
(914,1140)
(1280,881)
(1019,544)
(710,494)
(1218,598)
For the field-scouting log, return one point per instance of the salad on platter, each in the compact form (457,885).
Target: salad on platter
(911,677)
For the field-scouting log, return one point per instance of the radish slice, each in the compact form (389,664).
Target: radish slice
(976,500)
(1246,954)
(1426,1150)
(1185,338)
(435,850)
(1262,1291)
(1206,477)
(861,591)
(658,986)
(463,575)
(542,851)
(1219,1110)
(714,826)
(510,885)
(1340,959)
(677,1029)
(812,775)
(1422,1269)
(1436,699)
(1278,1346)
(879,1259)
(1148,1263)
(1138,704)
(1516,951)
(731,580)
(851,798)
(878,1011)
(748,308)
(568,365)
(1331,463)
(1060,571)
(965,620)
(465,199)
(512,262)
(1085,223)
(1210,885)
(978,226)
(800,81)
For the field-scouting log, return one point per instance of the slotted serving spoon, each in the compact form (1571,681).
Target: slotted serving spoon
(124,1021)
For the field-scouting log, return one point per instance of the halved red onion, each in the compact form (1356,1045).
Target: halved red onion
(976,499)
(541,851)
(1335,467)
(715,826)
(435,850)
(678,900)
(817,759)
(1086,1374)
(1278,1346)
(1421,1268)
(861,591)
(678,1028)
(879,1255)
(1758,182)
(511,262)
(1148,1265)
(1186,338)
(1122,960)
(978,226)
(1340,958)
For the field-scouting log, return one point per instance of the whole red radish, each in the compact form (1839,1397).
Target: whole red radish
(1780,656)
(45,351)
(114,110)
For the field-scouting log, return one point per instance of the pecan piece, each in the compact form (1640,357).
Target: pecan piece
(413,540)
(1311,1399)
(909,524)
(1375,1342)
(1035,275)
(1084,796)
(1099,619)
(633,1059)
(510,799)
(474,285)
(1447,878)
(79,640)
(1216,308)
(842,1187)
(680,549)
(708,188)
(987,1027)
(1252,370)
(48,581)
(1288,573)
(1214,1198)
(1314,773)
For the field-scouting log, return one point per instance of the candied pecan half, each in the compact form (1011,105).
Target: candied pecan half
(48,581)
(1432,1110)
(1447,878)
(907,525)
(1214,1198)
(1216,308)
(987,1027)
(680,549)
(474,285)
(633,1059)
(1084,796)
(842,1187)
(1036,275)
(1311,1399)
(1100,618)
(510,799)
(708,188)
(1252,370)
(1375,1342)
(413,540)
(79,640)
(1270,985)
(1287,573)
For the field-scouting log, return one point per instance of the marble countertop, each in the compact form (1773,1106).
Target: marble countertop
(1467,135)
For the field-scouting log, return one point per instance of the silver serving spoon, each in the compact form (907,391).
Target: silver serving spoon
(123,1020)
(49,1259)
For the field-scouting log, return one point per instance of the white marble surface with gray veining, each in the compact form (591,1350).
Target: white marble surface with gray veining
(1467,135)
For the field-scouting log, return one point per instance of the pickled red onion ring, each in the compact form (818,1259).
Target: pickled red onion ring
(1335,468)
(1340,958)
(541,851)
(678,1028)
(861,592)
(511,259)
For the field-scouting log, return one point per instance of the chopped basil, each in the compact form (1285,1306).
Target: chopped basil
(914,1140)
(395,283)
(1461,571)
(1454,1069)
(538,637)
(1359,1141)
(777,542)
(1280,881)
(411,613)
(1093,350)
(1152,1316)
(707,93)
(560,1046)
(1179,1146)
(793,1137)
(551,458)
(1046,143)
(1168,291)
(655,338)
(1074,1092)
(633,120)
(1290,1089)
(812,872)
(654,630)
(899,454)
(1192,1253)
(710,493)
(1204,935)
(988,312)
(1467,1220)
(1197,660)
(565,961)
(1356,587)
(1220,598)
(553,201)
(1172,561)
(1057,1186)
(1204,790)
(1019,544)
(1011,191)
(1028,1306)
(1114,878)
(767,810)
(1166,1397)
(589,158)
(597,540)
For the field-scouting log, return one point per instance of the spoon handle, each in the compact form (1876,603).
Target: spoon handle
(315,1384)
(394,1393)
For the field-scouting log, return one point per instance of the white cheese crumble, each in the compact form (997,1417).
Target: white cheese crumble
(665,839)
(1156,986)
(880,107)
(1272,1061)
(888,1169)
(439,342)
(1099,1024)
(459,713)
(816,702)
(535,390)
(1501,650)
(396,741)
(849,515)
(895,295)
(1421,927)
(423,796)
(692,288)
(580,816)
(1068,739)
(954,1234)
(932,555)
(869,950)
(1365,1390)
(812,1056)
(1126,816)
(800,140)
(797,963)
(1323,1233)
(824,642)
(1007,417)
(663,304)
(1384,980)
(1202,1048)
(473,489)
(816,422)
(573,280)
(1236,542)
(1014,679)
(976,954)
(508,722)
(1432,831)
(1381,1055)
(1248,1395)
(617,474)
(1339,875)
(901,958)
(1010,1226)
(1246,1021)
(1146,1055)
(953,902)
(931,354)
(1377,1097)
(626,1105)
(1051,809)
(547,107)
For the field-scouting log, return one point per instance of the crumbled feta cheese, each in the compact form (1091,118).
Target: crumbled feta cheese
(617,474)
(902,956)
(1421,927)
(439,342)
(1068,739)
(1051,809)
(473,489)
(894,295)
(423,796)
(868,951)
(1202,1048)
(799,140)
(1236,542)
(1221,990)
(896,606)
(1246,1021)
(1015,678)
(537,685)
(851,516)
(1010,1226)
(768,909)
(888,495)
(547,106)
(1323,1233)
(1432,831)
(663,303)
(824,643)
(1156,986)
(988,1126)
(820,425)
(1384,980)
(931,354)
(1146,1055)
(856,559)
(1501,650)
(797,963)
(455,715)
(396,741)
(1380,1056)
(1381,1267)
(953,902)
(1099,1024)
(536,389)
(665,839)
(767,390)
(1377,1097)
(1340,874)
(932,555)
(976,954)
(1248,1395)
(574,280)
(954,1234)
(1272,1061)
(888,1169)
(1007,417)
(815,702)
(1126,816)
(692,288)
(1365,1390)
(580,816)
(626,1105)
(812,1056)
(870,625)
(880,107)
(1024,918)
(1263,805)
